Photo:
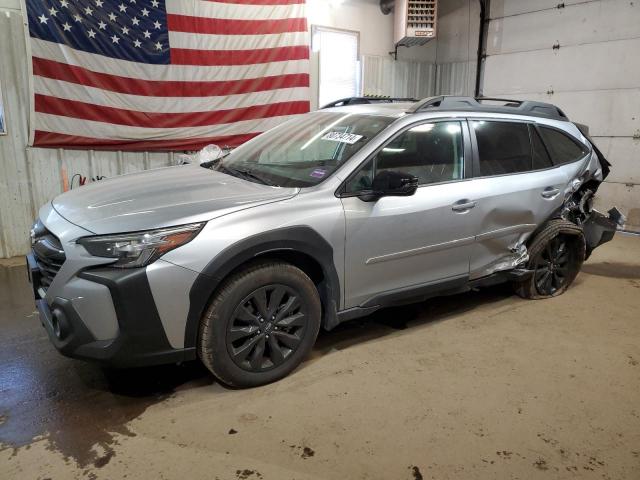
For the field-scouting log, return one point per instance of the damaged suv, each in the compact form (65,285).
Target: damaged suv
(241,260)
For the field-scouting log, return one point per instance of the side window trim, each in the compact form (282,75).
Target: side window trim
(533,128)
(531,124)
(586,149)
(467,172)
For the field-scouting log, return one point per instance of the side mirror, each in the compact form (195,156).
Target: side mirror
(391,183)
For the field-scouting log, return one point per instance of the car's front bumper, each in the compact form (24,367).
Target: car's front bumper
(139,339)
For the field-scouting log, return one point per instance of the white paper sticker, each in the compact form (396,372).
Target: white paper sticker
(341,137)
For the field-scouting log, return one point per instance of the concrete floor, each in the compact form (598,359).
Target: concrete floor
(479,385)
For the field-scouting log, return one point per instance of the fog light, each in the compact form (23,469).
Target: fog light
(59,323)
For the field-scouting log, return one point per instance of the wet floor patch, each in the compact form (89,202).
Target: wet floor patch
(78,407)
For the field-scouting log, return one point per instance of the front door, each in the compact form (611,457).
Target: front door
(397,244)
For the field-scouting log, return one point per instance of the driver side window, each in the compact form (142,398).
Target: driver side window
(433,152)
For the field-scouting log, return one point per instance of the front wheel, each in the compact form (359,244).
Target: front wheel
(260,325)
(556,256)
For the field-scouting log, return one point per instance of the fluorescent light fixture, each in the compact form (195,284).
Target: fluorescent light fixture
(393,150)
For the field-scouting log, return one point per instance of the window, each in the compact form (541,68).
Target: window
(339,65)
(433,152)
(306,150)
(503,147)
(541,157)
(562,148)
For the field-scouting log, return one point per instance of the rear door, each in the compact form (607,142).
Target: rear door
(517,188)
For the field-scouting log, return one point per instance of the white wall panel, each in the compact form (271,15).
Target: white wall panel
(594,22)
(599,66)
(607,112)
(622,195)
(624,155)
(594,76)
(501,8)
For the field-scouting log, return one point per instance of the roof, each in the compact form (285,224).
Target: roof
(445,103)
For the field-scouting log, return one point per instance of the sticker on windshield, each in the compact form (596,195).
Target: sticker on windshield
(318,173)
(341,137)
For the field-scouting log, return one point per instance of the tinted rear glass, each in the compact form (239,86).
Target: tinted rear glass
(541,157)
(561,147)
(503,147)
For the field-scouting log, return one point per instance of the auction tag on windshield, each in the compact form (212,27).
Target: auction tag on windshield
(341,137)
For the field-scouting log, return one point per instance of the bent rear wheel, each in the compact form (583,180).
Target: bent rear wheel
(556,256)
(260,325)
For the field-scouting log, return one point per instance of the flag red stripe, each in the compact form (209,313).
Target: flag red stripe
(186,56)
(223,26)
(119,116)
(60,140)
(260,2)
(152,88)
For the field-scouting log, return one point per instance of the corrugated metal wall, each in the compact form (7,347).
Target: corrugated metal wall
(30,177)
(401,78)
(15,193)
(397,78)
(455,78)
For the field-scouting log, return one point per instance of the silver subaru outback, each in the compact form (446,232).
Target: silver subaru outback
(239,261)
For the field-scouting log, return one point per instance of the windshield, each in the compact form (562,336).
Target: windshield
(304,151)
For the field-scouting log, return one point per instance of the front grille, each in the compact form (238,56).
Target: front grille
(49,255)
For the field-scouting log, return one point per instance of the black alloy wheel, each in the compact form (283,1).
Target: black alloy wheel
(556,254)
(266,328)
(552,266)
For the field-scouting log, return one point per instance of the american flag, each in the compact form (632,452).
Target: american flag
(165,74)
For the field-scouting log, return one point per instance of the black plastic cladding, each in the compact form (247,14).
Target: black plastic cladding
(470,104)
(142,339)
(297,239)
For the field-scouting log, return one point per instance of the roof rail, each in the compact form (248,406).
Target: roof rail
(470,104)
(367,99)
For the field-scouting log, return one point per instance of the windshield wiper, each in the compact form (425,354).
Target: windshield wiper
(212,163)
(250,174)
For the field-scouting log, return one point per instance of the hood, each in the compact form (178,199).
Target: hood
(161,198)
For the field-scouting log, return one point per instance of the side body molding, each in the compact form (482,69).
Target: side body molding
(300,239)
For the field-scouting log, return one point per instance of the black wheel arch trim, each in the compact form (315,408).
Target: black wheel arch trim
(299,239)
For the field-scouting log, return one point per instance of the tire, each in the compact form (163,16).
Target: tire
(556,255)
(261,323)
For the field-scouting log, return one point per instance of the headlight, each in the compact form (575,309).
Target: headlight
(139,249)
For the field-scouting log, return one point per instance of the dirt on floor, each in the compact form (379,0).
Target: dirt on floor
(479,385)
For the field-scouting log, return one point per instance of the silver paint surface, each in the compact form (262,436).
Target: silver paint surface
(378,247)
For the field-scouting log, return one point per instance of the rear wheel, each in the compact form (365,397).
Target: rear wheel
(556,256)
(260,325)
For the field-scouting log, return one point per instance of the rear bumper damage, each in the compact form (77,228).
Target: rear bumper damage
(599,229)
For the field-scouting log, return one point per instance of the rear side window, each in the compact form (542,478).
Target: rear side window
(503,147)
(541,158)
(561,147)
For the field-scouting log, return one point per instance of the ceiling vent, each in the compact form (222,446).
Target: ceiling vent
(415,22)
